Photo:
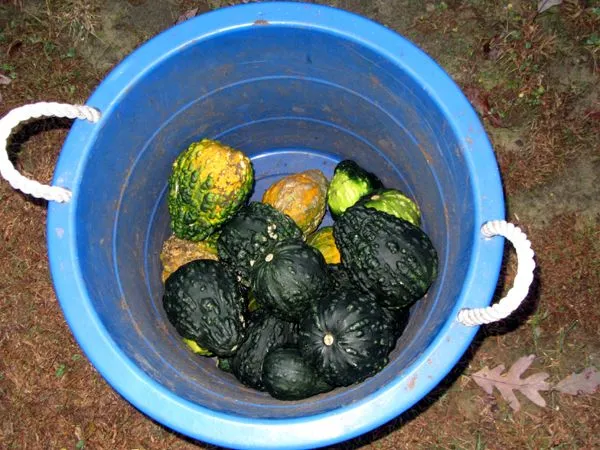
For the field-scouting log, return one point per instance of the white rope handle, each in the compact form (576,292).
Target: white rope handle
(523,279)
(23,113)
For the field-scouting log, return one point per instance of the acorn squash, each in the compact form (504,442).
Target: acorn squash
(386,256)
(264,332)
(302,196)
(209,182)
(248,235)
(338,276)
(289,278)
(347,337)
(204,304)
(288,376)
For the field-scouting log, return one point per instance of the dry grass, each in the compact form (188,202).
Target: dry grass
(79,17)
(554,138)
(50,395)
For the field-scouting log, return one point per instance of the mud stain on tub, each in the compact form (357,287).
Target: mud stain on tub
(446,216)
(425,154)
(225,69)
(163,329)
(386,145)
(412,382)
(137,329)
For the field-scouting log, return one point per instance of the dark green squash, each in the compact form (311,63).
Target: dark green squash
(264,332)
(224,364)
(347,337)
(204,304)
(339,277)
(288,376)
(248,235)
(289,278)
(386,256)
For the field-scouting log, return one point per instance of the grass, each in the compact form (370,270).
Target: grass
(51,396)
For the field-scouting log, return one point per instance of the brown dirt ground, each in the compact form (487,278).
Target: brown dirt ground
(534,79)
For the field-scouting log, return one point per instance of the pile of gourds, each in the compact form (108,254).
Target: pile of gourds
(288,307)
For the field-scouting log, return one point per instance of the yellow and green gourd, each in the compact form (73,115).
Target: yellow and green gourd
(209,182)
(323,240)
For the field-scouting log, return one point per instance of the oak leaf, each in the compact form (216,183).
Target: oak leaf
(585,382)
(506,384)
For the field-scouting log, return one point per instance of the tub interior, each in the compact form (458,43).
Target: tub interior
(291,99)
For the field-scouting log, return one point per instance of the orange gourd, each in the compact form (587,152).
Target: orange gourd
(302,196)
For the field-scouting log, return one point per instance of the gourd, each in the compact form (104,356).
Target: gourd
(176,252)
(209,182)
(349,183)
(194,347)
(288,376)
(386,256)
(264,332)
(302,196)
(347,337)
(247,236)
(204,304)
(289,278)
(323,240)
(338,276)
(393,202)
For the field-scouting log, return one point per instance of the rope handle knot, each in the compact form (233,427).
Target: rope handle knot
(33,111)
(523,279)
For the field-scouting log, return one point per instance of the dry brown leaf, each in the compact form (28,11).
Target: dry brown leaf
(543,5)
(480,101)
(4,80)
(488,379)
(187,15)
(586,382)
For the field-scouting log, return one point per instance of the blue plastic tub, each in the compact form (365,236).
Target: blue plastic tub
(295,86)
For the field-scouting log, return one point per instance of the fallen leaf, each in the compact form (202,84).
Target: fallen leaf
(488,379)
(5,80)
(187,15)
(544,5)
(586,382)
(480,101)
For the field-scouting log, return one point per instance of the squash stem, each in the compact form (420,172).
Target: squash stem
(328,339)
